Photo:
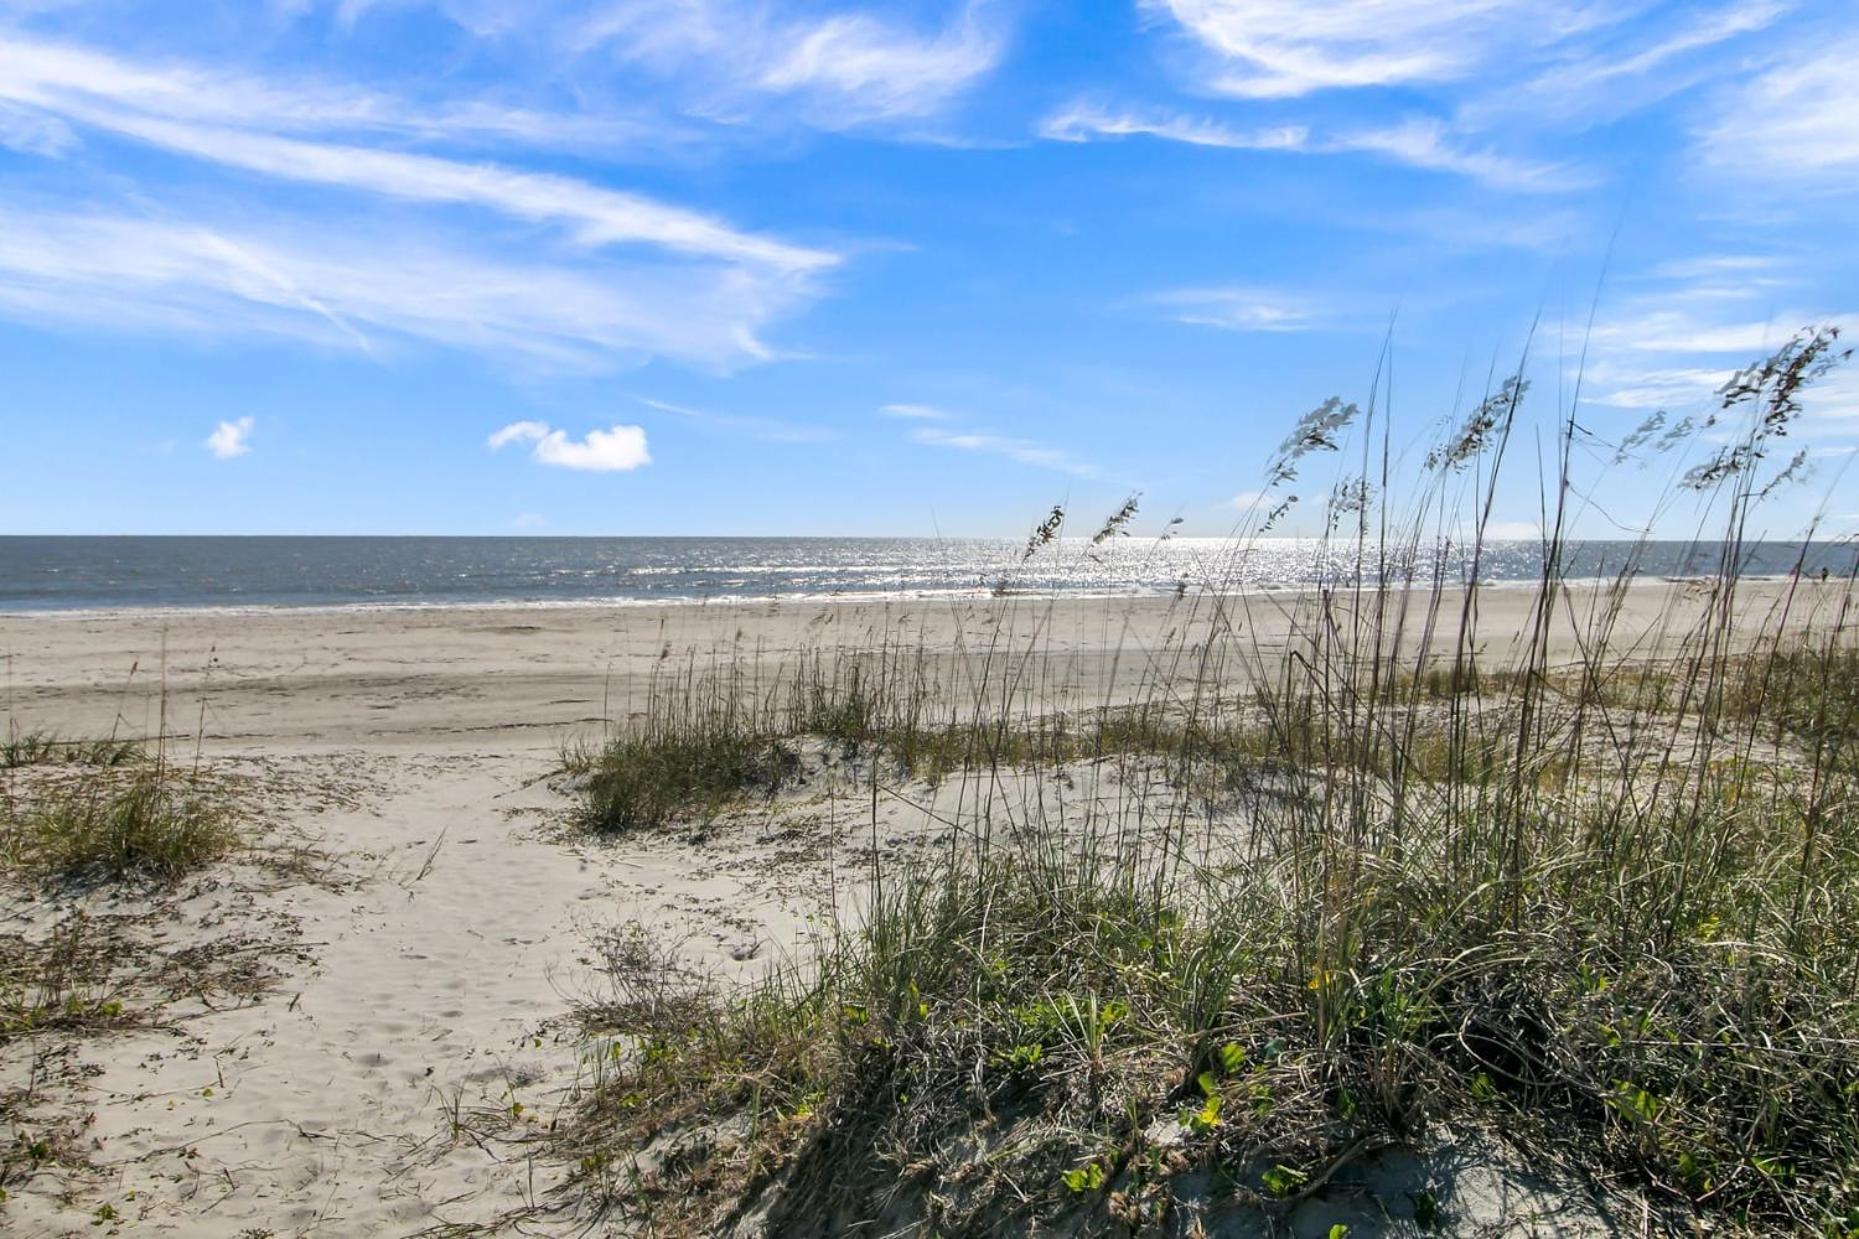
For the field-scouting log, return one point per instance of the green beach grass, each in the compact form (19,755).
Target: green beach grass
(1601,908)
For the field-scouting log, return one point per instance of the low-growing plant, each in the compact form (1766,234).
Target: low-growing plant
(649,780)
(152,824)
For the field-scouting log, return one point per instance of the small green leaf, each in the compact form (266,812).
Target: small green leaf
(1282,1181)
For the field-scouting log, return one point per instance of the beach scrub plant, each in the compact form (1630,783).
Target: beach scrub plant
(35,748)
(147,826)
(1586,890)
(105,810)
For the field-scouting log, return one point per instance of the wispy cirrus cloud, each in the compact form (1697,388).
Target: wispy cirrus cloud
(617,277)
(1798,119)
(915,412)
(1633,72)
(839,70)
(762,429)
(32,132)
(57,76)
(595,216)
(1022,451)
(248,125)
(1419,142)
(1499,75)
(617,449)
(363,291)
(1692,322)
(1082,121)
(1240,309)
(1274,49)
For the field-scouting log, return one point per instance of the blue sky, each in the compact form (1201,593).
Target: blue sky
(720,266)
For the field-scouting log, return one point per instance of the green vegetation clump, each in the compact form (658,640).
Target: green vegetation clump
(144,828)
(36,748)
(647,781)
(148,826)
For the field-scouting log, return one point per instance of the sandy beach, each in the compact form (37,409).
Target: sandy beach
(421,947)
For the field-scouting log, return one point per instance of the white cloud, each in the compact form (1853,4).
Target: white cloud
(1247,500)
(1426,143)
(1265,49)
(618,449)
(887,73)
(840,70)
(1239,309)
(31,132)
(1799,119)
(517,432)
(230,439)
(529,521)
(1687,331)
(1420,142)
(1703,318)
(641,277)
(1023,451)
(763,429)
(595,216)
(914,412)
(1630,388)
(347,287)
(1081,122)
(1832,404)
(1615,81)
(1724,276)
(56,77)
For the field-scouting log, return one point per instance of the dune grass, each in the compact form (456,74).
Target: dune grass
(103,810)
(149,826)
(37,748)
(1600,905)
(64,982)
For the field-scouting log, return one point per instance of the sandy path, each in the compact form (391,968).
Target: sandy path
(444,959)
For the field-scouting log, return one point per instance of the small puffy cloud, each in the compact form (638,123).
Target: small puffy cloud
(617,449)
(529,521)
(230,439)
(913,412)
(1246,500)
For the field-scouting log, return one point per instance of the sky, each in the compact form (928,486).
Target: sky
(741,267)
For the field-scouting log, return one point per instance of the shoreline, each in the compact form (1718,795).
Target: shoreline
(834,598)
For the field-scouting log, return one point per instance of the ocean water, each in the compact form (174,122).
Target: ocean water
(88,573)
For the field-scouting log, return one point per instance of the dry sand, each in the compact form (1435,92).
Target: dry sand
(415,1028)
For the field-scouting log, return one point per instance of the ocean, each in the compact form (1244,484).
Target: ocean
(93,573)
